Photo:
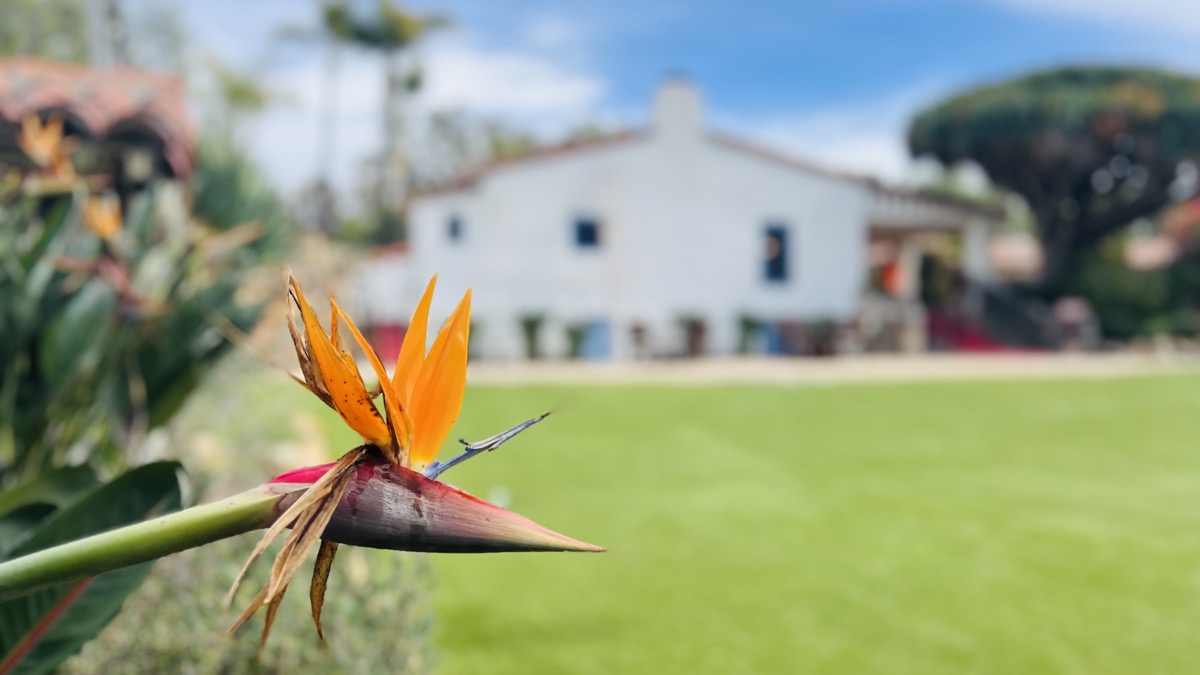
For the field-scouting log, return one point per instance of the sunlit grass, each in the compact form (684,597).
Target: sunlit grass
(1003,527)
(1020,527)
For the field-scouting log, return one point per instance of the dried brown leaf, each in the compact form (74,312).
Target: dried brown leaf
(320,578)
(269,620)
(314,493)
(306,533)
(245,616)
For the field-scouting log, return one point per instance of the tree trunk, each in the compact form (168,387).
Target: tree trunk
(1059,256)
(1058,237)
(327,142)
(1065,240)
(392,182)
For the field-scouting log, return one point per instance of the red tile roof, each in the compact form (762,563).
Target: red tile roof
(100,99)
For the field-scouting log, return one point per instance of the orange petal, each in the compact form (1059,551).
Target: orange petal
(102,215)
(438,395)
(53,128)
(412,351)
(343,382)
(34,141)
(395,414)
(333,335)
(333,326)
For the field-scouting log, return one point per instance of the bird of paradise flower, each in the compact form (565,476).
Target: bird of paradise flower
(47,145)
(421,401)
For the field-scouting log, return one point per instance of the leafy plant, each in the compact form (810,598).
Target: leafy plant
(749,328)
(531,331)
(1133,303)
(576,336)
(102,340)
(110,314)
(34,635)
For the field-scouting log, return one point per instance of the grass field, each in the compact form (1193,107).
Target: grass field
(1013,527)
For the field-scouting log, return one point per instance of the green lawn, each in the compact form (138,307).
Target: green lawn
(1017,527)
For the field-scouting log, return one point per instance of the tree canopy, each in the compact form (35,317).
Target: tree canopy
(390,29)
(1089,148)
(50,29)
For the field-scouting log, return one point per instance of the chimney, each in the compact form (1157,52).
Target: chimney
(678,112)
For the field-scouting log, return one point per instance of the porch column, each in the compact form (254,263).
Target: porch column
(909,258)
(912,337)
(975,262)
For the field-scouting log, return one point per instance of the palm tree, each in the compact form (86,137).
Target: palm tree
(242,96)
(391,32)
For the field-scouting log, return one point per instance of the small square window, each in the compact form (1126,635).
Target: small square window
(454,228)
(587,233)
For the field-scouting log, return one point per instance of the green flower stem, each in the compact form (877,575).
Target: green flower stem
(140,542)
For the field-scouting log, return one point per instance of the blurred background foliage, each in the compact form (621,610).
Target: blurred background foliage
(1135,303)
(107,339)
(103,340)
(55,29)
(110,315)
(377,619)
(1089,149)
(247,422)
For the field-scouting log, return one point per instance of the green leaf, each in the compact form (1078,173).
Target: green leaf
(19,524)
(76,339)
(139,224)
(58,211)
(41,630)
(56,488)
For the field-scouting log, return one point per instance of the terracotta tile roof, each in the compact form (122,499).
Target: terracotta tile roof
(99,100)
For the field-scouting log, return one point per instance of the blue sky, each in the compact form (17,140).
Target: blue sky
(834,82)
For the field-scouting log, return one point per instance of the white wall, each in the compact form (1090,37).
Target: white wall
(518,250)
(696,241)
(682,219)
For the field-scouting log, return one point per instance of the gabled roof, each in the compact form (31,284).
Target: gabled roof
(470,177)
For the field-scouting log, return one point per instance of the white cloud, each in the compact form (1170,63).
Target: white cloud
(542,83)
(529,90)
(1181,17)
(512,83)
(284,138)
(839,143)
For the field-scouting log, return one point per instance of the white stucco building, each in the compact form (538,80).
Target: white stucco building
(655,242)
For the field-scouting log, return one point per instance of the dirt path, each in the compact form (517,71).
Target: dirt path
(873,368)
